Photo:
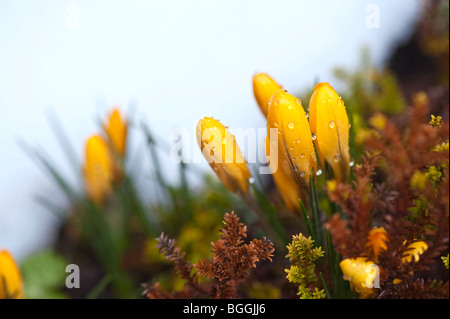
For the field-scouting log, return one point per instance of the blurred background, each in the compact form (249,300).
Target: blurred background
(173,62)
(167,63)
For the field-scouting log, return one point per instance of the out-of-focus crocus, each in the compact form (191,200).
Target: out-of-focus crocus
(414,250)
(97,169)
(362,274)
(116,129)
(264,87)
(288,189)
(295,143)
(376,240)
(11,285)
(329,123)
(221,151)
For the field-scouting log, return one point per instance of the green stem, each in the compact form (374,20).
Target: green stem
(316,212)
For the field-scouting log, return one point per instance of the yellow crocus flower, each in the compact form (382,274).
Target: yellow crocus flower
(362,275)
(116,130)
(11,285)
(288,189)
(295,143)
(221,151)
(264,87)
(98,169)
(329,123)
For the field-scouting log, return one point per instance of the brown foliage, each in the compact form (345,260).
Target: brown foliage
(407,212)
(232,261)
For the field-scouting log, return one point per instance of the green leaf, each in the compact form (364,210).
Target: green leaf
(44,275)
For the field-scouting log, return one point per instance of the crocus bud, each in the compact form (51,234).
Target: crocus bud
(362,275)
(221,151)
(264,87)
(97,169)
(288,189)
(295,145)
(329,123)
(11,285)
(116,130)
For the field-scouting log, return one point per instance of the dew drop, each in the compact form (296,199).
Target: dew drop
(337,158)
(307,115)
(291,148)
(298,141)
(331,124)
(251,180)
(313,136)
(319,172)
(291,125)
(295,168)
(302,155)
(351,164)
(302,174)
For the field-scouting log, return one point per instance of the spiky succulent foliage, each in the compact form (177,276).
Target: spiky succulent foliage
(303,255)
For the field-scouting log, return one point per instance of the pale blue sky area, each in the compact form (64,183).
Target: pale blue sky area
(175,61)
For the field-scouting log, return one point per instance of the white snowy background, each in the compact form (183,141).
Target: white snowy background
(173,62)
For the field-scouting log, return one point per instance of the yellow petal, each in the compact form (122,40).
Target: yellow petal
(288,189)
(414,250)
(361,274)
(329,123)
(221,151)
(11,285)
(116,130)
(295,144)
(97,169)
(376,240)
(264,87)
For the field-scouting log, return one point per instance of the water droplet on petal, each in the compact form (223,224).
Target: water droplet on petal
(298,141)
(302,155)
(337,158)
(251,180)
(319,172)
(313,136)
(351,164)
(302,174)
(295,168)
(331,124)
(291,125)
(291,148)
